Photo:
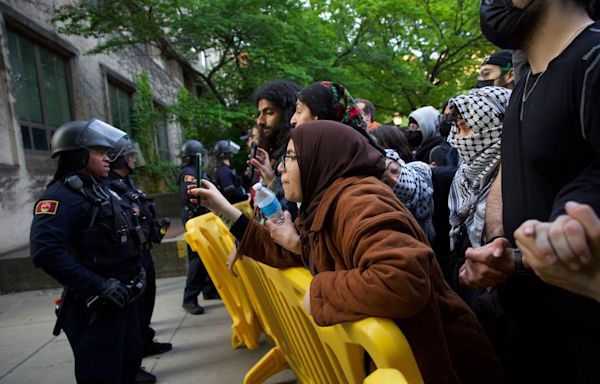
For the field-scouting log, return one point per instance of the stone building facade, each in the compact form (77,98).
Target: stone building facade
(47,79)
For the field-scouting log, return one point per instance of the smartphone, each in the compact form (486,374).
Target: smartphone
(199,170)
(253,149)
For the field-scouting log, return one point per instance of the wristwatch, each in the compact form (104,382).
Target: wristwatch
(519,266)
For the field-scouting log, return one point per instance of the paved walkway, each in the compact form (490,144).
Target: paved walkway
(201,352)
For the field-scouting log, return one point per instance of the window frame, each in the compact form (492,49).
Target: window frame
(37,45)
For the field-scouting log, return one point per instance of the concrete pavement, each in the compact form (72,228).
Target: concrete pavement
(201,352)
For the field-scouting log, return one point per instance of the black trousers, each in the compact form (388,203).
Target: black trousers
(197,279)
(106,342)
(147,299)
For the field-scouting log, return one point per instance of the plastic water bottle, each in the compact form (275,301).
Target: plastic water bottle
(268,203)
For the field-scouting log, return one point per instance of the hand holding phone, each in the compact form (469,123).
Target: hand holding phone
(253,149)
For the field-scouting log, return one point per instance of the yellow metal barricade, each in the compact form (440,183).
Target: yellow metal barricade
(210,238)
(316,354)
(273,297)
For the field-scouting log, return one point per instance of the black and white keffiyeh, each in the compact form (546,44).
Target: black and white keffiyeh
(483,110)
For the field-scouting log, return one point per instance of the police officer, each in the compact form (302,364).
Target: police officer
(83,236)
(197,277)
(225,178)
(127,156)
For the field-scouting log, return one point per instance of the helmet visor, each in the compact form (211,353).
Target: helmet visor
(118,149)
(140,161)
(99,134)
(233,147)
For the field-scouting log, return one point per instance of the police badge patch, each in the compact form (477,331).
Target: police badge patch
(46,207)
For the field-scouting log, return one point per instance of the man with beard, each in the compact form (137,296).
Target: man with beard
(550,156)
(276,103)
(497,70)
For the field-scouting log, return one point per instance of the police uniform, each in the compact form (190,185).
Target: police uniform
(82,235)
(229,184)
(197,277)
(153,231)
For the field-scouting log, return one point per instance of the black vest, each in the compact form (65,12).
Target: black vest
(108,244)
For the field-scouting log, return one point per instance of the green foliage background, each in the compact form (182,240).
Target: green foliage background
(400,54)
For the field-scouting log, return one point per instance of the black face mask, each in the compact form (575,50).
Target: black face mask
(499,20)
(485,83)
(444,127)
(414,138)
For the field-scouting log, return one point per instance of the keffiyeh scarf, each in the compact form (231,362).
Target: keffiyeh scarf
(483,110)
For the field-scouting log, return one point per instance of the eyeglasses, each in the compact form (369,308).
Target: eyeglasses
(285,158)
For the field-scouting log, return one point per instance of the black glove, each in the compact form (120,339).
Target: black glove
(113,291)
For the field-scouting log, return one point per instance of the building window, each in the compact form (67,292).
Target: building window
(162,139)
(121,106)
(39,78)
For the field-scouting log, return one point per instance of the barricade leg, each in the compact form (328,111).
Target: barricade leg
(271,363)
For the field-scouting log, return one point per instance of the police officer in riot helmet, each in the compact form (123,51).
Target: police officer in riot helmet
(127,156)
(197,277)
(83,236)
(225,178)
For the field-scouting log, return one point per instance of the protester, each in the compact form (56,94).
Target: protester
(276,103)
(550,156)
(410,181)
(497,70)
(476,134)
(326,100)
(367,253)
(368,110)
(391,137)
(423,136)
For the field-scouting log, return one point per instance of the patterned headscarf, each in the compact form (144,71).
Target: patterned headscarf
(483,110)
(331,101)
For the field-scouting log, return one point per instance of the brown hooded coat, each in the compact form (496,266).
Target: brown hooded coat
(369,257)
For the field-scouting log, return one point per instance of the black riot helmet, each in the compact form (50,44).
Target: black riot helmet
(189,149)
(122,151)
(225,149)
(78,135)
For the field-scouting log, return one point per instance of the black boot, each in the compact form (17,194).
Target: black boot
(193,308)
(144,377)
(155,348)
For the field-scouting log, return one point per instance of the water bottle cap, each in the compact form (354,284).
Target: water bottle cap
(257,186)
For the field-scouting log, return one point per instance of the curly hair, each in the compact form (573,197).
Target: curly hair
(282,93)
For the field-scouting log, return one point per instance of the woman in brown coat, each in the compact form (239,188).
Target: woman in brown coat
(367,253)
